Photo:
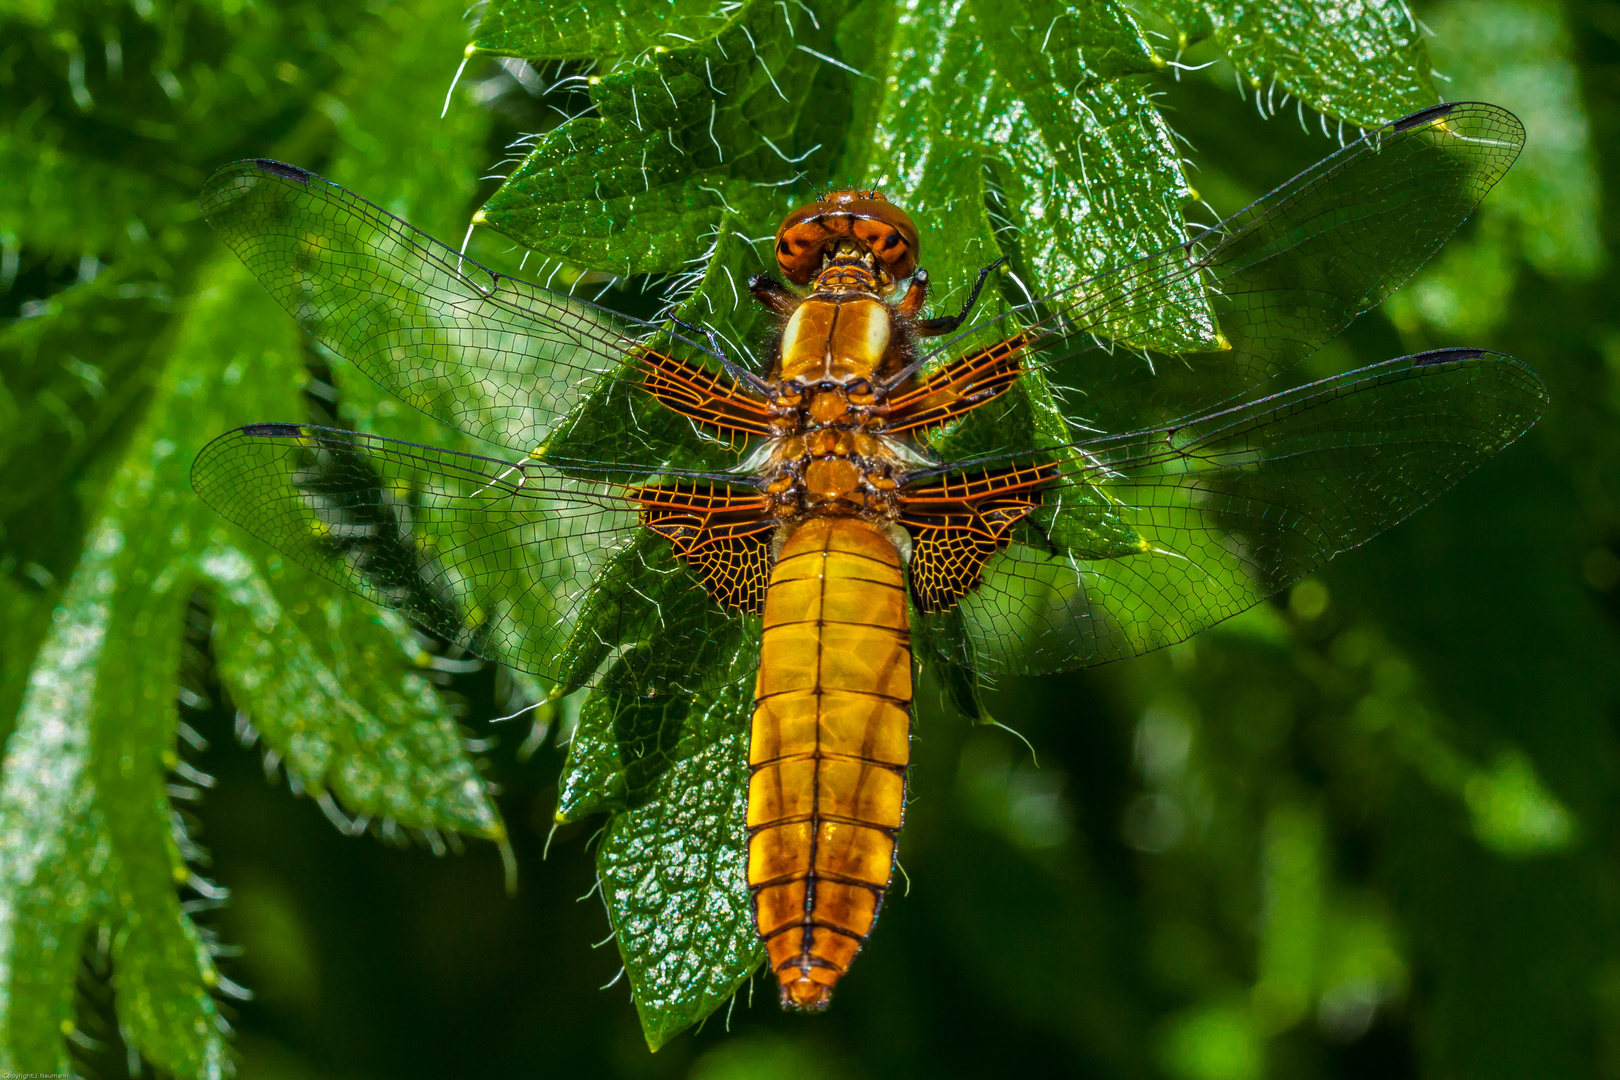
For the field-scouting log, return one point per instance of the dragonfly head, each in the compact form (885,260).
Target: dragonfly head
(847,226)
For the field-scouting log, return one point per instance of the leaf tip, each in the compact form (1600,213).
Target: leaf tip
(509,866)
(658,1029)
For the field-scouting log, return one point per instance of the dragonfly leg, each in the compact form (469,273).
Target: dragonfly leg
(912,302)
(718,350)
(946,323)
(773,294)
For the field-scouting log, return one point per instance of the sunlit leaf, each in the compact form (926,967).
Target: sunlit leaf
(1363,63)
(672,864)
(112,387)
(1024,132)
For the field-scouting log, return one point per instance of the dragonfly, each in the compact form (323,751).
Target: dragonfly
(1045,486)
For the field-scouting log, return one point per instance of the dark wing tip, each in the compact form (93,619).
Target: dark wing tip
(1447,356)
(1531,388)
(1471,119)
(231,184)
(1423,116)
(273,431)
(283,170)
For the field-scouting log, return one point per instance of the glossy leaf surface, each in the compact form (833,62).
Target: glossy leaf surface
(543,563)
(672,861)
(529,562)
(1365,64)
(111,383)
(317,679)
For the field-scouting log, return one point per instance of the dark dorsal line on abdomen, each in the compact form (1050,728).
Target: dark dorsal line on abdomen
(830,743)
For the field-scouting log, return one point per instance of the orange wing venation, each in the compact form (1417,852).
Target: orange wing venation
(957,524)
(828,751)
(723,535)
(958,388)
(704,396)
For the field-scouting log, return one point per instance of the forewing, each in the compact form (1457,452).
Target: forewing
(1133,347)
(517,563)
(500,358)
(1190,524)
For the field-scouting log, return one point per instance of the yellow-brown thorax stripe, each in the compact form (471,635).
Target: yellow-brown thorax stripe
(836,338)
(831,738)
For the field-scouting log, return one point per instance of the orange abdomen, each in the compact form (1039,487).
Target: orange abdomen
(831,738)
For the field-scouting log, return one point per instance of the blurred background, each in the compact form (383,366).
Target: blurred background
(1369,829)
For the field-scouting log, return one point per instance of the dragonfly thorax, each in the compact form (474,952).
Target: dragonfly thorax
(831,456)
(841,338)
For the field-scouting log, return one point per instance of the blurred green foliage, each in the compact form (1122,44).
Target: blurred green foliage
(1365,830)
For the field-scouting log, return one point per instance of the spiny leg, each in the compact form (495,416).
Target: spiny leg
(947,323)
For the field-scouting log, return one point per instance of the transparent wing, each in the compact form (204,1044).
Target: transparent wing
(1134,347)
(499,358)
(1163,532)
(517,563)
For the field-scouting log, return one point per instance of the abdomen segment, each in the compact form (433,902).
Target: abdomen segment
(831,738)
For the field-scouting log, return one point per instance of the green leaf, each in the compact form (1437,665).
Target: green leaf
(113,386)
(386,749)
(1088,172)
(589,182)
(623,742)
(1364,63)
(74,388)
(577,32)
(688,636)
(108,720)
(50,830)
(672,866)
(684,133)
(1022,131)
(617,421)
(593,776)
(672,770)
(384,752)
(936,643)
